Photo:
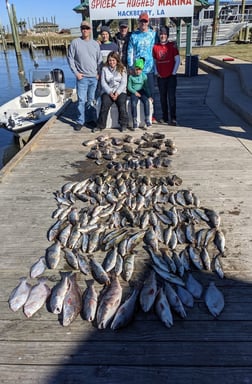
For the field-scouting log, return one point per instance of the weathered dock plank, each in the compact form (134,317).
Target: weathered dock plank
(215,161)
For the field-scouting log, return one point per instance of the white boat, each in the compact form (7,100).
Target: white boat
(47,94)
(231,21)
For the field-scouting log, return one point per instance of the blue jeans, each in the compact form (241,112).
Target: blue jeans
(86,95)
(144,99)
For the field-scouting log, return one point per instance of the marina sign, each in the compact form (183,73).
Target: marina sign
(131,9)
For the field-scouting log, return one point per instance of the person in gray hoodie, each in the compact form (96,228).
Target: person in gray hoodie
(114,90)
(84,58)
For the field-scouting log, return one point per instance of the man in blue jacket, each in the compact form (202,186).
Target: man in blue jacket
(140,46)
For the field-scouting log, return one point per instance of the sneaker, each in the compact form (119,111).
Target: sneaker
(162,121)
(123,128)
(173,122)
(135,124)
(154,121)
(132,128)
(148,124)
(78,127)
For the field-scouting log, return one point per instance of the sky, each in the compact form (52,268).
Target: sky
(61,10)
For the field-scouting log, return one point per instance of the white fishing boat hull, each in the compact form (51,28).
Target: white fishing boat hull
(202,34)
(36,106)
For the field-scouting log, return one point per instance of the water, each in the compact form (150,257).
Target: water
(12,85)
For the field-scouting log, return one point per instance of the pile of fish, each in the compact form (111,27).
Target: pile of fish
(135,239)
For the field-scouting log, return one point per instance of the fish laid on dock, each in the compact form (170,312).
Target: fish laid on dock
(124,228)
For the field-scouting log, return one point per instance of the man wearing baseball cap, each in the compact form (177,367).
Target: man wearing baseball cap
(84,58)
(140,45)
(121,38)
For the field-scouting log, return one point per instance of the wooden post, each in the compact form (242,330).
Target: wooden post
(215,22)
(14,30)
(3,38)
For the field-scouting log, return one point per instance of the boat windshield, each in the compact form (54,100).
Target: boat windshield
(42,76)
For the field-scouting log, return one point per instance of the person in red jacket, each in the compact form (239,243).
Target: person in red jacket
(167,60)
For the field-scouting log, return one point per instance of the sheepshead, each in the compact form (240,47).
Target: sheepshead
(214,218)
(61,210)
(185,296)
(220,241)
(89,300)
(202,215)
(52,255)
(179,196)
(163,309)
(185,259)
(19,295)
(94,240)
(134,240)
(157,259)
(168,276)
(64,234)
(194,254)
(128,266)
(188,196)
(150,239)
(82,263)
(214,299)
(193,286)
(144,220)
(172,215)
(180,232)
(167,234)
(84,242)
(179,265)
(54,230)
(74,236)
(114,238)
(110,259)
(72,302)
(200,237)
(122,246)
(190,233)
(174,300)
(118,265)
(68,186)
(38,268)
(98,272)
(173,240)
(59,292)
(148,292)
(205,258)
(209,236)
(71,258)
(168,260)
(218,267)
(37,297)
(73,216)
(126,311)
(109,303)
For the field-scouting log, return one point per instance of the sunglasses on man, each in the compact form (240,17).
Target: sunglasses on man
(84,28)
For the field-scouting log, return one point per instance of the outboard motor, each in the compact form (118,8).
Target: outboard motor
(59,78)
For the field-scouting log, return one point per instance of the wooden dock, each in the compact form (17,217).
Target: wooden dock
(214,159)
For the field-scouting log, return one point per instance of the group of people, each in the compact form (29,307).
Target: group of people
(126,65)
